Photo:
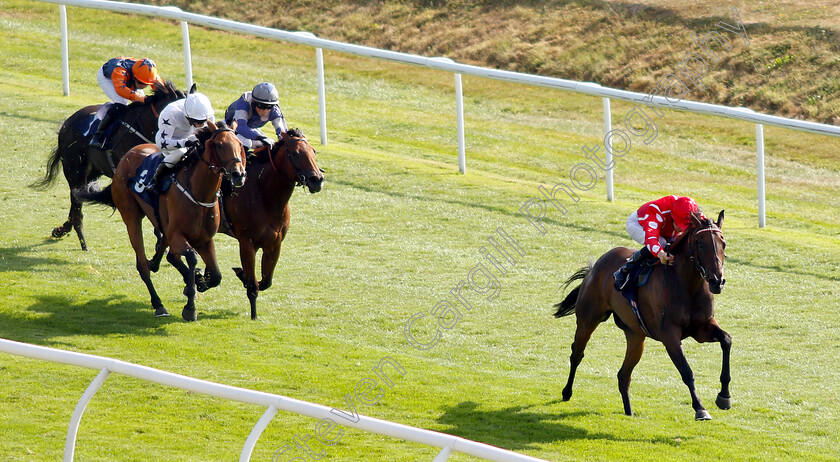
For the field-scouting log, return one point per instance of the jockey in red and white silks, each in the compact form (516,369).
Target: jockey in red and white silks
(659,222)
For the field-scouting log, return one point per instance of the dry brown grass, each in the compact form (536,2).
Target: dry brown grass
(791,67)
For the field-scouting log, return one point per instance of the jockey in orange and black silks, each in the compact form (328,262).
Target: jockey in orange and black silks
(122,79)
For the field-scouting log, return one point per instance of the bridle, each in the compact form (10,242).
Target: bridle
(300,178)
(694,252)
(215,159)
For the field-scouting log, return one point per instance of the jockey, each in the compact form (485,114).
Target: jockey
(656,224)
(253,110)
(176,130)
(122,79)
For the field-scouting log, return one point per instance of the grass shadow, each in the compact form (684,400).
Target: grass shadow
(516,428)
(15,259)
(52,317)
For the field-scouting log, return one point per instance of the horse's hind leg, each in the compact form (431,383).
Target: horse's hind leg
(585,326)
(135,234)
(635,348)
(713,333)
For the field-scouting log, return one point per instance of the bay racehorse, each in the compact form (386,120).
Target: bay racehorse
(188,211)
(83,163)
(676,303)
(257,214)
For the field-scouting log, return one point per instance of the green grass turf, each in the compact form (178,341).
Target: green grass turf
(394,230)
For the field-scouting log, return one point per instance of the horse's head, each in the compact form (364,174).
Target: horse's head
(302,169)
(706,246)
(223,150)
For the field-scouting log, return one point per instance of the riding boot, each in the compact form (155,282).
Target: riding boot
(622,274)
(162,169)
(98,139)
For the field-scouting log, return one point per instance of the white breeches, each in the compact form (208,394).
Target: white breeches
(171,157)
(108,87)
(637,233)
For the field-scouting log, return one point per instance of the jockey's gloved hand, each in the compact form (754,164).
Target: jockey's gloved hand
(191,144)
(140,93)
(266,141)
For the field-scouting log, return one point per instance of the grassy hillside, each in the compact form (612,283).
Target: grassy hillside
(791,66)
(394,230)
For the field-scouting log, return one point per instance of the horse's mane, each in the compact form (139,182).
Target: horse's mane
(296,133)
(679,244)
(170,93)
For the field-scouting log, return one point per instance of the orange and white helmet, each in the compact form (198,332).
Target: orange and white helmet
(681,211)
(145,71)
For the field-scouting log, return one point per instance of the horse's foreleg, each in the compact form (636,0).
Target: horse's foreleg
(177,247)
(675,351)
(635,348)
(713,333)
(212,275)
(160,248)
(267,266)
(248,273)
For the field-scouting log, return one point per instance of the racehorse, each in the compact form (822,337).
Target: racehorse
(676,303)
(257,214)
(188,212)
(83,163)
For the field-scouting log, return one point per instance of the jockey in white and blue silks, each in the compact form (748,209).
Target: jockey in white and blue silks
(253,110)
(177,124)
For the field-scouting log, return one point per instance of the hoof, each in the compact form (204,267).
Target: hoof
(161,312)
(189,314)
(567,395)
(723,403)
(702,414)
(58,233)
(154,266)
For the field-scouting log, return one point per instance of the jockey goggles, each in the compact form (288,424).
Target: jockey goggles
(263,106)
(196,122)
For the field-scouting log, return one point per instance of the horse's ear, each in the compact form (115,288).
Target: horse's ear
(212,125)
(192,89)
(696,220)
(720,220)
(234,124)
(286,136)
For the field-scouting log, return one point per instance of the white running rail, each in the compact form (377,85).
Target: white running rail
(587,88)
(272,402)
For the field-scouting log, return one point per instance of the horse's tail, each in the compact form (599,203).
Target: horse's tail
(52,172)
(94,194)
(567,306)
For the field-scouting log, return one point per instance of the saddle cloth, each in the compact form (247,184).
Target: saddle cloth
(138,183)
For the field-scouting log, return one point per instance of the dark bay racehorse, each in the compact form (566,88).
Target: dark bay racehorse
(257,214)
(83,163)
(676,303)
(188,211)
